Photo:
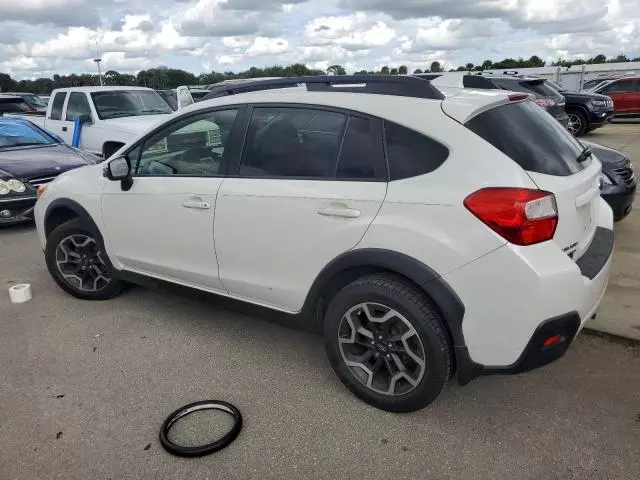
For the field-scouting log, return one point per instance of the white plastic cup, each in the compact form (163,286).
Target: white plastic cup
(20,293)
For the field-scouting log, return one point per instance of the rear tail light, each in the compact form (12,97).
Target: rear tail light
(522,216)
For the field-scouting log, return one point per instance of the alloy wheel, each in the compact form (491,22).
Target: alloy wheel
(575,123)
(79,261)
(381,348)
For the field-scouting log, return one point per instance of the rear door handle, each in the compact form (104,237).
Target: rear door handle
(339,212)
(64,129)
(198,205)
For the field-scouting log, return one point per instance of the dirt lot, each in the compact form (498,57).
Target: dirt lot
(84,388)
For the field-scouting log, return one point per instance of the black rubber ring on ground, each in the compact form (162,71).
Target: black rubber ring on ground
(199,451)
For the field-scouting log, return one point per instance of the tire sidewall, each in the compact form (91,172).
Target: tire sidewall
(583,120)
(436,369)
(73,227)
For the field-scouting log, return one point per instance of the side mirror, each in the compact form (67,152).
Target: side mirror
(117,169)
(86,118)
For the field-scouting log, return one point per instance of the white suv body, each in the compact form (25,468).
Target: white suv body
(300,239)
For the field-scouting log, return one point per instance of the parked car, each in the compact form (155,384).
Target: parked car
(545,95)
(170,97)
(29,158)
(592,83)
(618,186)
(372,207)
(113,115)
(45,99)
(33,101)
(586,111)
(12,104)
(625,93)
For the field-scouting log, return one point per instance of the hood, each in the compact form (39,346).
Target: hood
(584,96)
(606,155)
(28,162)
(137,124)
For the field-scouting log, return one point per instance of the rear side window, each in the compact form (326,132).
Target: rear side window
(538,87)
(530,137)
(410,153)
(56,107)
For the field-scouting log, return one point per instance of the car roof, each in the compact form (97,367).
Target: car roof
(102,89)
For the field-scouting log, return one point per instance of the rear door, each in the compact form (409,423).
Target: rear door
(550,156)
(310,182)
(55,121)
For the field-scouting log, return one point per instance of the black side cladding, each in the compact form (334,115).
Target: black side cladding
(592,261)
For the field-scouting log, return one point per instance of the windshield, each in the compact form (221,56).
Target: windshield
(22,134)
(34,101)
(530,137)
(589,84)
(129,103)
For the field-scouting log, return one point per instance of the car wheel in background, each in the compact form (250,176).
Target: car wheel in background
(386,342)
(577,124)
(77,261)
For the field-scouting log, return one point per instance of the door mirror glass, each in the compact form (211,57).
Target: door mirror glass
(117,169)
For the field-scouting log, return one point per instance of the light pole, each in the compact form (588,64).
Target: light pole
(98,60)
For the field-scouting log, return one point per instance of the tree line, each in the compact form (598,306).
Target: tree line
(164,78)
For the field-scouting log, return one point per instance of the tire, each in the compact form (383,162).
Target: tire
(384,297)
(578,124)
(78,283)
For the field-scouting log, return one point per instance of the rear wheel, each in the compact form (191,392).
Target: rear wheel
(386,342)
(577,125)
(77,261)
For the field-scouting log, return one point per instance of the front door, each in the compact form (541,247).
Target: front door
(310,183)
(163,226)
(55,121)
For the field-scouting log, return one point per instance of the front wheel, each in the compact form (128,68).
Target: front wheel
(577,125)
(77,261)
(386,342)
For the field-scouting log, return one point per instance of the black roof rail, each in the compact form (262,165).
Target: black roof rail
(399,85)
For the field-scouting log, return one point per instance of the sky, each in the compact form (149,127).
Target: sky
(43,37)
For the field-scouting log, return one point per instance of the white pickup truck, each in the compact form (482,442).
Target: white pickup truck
(114,115)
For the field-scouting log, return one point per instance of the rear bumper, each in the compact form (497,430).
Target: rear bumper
(16,210)
(516,298)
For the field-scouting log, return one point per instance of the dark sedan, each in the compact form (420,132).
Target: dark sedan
(30,157)
(618,185)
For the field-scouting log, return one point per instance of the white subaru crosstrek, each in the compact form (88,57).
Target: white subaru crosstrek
(426,237)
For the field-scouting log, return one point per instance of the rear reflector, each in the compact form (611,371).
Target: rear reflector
(518,97)
(552,340)
(545,102)
(520,215)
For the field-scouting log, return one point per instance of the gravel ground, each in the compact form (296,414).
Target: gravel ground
(85,387)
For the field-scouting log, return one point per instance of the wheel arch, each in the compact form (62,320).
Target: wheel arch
(63,210)
(579,107)
(357,263)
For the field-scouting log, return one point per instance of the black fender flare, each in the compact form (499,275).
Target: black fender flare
(428,280)
(76,208)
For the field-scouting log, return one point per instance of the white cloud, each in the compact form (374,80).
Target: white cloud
(350,31)
(267,46)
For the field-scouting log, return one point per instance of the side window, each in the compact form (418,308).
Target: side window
(410,153)
(359,154)
(77,105)
(621,86)
(192,146)
(56,107)
(292,142)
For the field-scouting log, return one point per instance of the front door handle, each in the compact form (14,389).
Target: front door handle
(343,212)
(64,129)
(198,205)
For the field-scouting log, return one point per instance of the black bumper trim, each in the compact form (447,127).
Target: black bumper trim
(535,354)
(596,256)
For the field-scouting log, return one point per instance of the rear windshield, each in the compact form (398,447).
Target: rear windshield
(531,137)
(539,87)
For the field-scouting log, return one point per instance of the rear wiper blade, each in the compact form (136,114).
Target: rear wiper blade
(586,153)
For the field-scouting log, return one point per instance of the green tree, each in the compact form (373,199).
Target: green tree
(469,66)
(336,70)
(535,61)
(599,59)
(384,70)
(416,71)
(394,71)
(435,67)
(402,70)
(6,82)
